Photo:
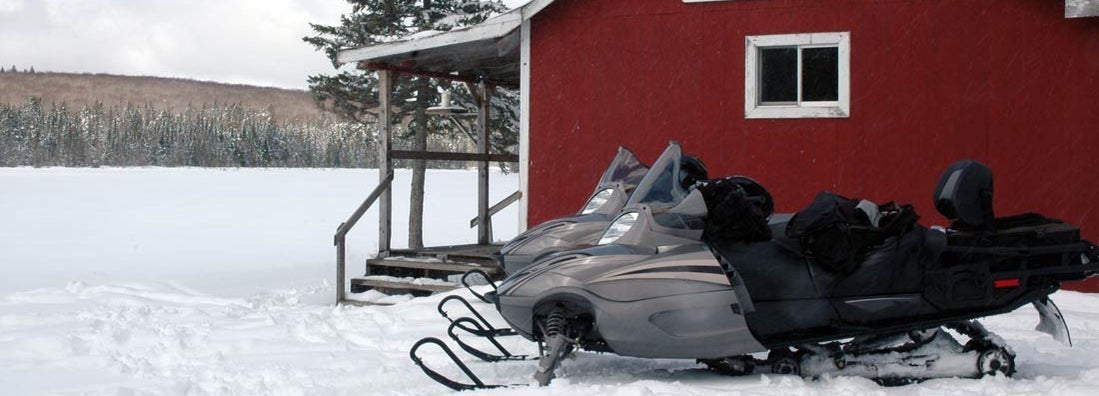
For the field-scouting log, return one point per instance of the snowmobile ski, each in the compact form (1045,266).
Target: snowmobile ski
(485,329)
(442,379)
(484,275)
(464,324)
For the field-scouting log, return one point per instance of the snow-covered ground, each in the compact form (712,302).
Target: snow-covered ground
(190,281)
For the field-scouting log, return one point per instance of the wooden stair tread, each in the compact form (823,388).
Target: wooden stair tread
(402,285)
(446,266)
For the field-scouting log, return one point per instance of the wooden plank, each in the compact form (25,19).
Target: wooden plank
(499,206)
(364,303)
(484,223)
(524,122)
(341,269)
(443,156)
(380,284)
(469,250)
(385,165)
(452,266)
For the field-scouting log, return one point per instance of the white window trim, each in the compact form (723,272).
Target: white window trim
(838,109)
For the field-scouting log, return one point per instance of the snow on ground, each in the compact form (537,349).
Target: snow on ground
(214,282)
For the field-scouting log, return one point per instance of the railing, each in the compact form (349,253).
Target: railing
(504,203)
(345,227)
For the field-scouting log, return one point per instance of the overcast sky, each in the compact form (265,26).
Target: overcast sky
(238,41)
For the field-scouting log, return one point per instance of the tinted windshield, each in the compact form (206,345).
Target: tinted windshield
(660,188)
(625,168)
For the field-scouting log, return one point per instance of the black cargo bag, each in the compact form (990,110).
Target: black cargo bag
(836,235)
(738,208)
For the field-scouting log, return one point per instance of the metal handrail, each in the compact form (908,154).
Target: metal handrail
(340,239)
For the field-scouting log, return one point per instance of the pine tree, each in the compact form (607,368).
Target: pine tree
(377,21)
(32,70)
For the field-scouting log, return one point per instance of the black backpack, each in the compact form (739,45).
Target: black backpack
(836,235)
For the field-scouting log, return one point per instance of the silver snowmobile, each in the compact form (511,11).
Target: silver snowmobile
(623,183)
(658,287)
(611,193)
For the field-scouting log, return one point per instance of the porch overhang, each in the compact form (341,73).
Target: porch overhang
(488,52)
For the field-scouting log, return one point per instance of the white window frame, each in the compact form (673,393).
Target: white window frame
(840,108)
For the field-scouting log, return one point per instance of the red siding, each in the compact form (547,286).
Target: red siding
(1010,83)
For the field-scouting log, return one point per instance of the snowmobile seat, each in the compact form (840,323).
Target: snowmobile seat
(964,195)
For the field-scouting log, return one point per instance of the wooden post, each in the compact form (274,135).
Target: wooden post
(484,224)
(385,165)
(341,266)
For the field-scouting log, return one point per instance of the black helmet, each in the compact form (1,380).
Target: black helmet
(691,171)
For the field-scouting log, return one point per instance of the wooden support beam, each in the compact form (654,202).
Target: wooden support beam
(429,74)
(484,221)
(444,156)
(385,163)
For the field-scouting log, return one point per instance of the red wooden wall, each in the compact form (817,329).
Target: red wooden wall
(1011,83)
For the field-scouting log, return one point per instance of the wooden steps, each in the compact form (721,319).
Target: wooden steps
(395,286)
(422,272)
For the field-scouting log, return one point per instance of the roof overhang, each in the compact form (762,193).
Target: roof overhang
(488,51)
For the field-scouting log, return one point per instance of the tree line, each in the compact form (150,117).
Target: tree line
(14,70)
(34,134)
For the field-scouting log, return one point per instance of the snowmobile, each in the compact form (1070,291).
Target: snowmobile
(657,286)
(626,181)
(618,182)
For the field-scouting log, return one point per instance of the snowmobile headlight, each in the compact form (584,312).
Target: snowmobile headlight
(618,228)
(597,201)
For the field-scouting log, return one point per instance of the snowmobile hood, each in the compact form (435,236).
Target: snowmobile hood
(600,266)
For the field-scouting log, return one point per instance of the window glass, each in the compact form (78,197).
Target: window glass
(820,74)
(778,74)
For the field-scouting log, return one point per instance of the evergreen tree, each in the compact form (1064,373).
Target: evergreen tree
(32,70)
(347,91)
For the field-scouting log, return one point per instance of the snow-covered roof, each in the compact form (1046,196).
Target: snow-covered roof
(1081,8)
(489,49)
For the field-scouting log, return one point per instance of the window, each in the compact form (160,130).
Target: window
(797,76)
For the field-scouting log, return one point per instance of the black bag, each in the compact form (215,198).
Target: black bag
(835,234)
(737,208)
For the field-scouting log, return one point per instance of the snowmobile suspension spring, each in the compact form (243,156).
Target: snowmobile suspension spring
(555,323)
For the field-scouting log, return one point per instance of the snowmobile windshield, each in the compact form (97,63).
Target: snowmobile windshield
(623,174)
(661,189)
(625,168)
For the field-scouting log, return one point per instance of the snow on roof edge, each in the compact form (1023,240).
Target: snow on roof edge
(495,27)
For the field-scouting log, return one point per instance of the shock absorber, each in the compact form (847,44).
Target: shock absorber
(555,323)
(555,333)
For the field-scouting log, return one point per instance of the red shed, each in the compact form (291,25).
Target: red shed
(867,98)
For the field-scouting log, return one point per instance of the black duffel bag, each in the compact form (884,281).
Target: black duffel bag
(834,233)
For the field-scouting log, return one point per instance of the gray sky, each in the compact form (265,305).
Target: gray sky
(238,41)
